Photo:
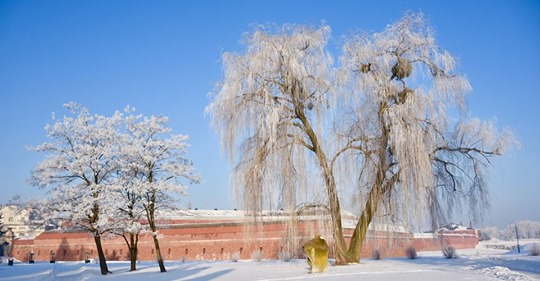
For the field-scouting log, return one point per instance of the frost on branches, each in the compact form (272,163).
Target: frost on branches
(108,174)
(79,167)
(371,133)
(154,166)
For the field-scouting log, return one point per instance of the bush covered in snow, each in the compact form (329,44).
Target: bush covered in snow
(285,256)
(411,253)
(235,256)
(449,252)
(534,249)
(257,256)
(377,254)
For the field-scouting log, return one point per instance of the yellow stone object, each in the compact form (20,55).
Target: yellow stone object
(316,250)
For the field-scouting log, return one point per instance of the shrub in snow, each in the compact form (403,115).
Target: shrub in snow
(284,255)
(235,256)
(376,254)
(257,256)
(449,252)
(411,253)
(534,249)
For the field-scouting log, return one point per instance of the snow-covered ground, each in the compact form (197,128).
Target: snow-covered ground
(482,263)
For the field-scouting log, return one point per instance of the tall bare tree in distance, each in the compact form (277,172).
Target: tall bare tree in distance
(376,126)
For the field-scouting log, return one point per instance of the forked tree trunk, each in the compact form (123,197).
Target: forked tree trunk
(101,255)
(341,253)
(132,245)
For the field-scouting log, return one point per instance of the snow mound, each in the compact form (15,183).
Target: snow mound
(503,273)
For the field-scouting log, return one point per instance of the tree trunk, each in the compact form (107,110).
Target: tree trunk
(133,250)
(158,255)
(133,258)
(341,253)
(101,255)
(381,186)
(150,214)
(359,234)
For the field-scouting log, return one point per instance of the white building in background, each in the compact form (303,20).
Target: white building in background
(18,220)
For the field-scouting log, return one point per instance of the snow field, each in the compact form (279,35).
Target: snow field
(473,264)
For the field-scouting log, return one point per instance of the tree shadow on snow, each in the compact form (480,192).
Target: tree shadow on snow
(187,271)
(478,262)
(211,276)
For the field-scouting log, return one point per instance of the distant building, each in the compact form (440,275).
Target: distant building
(19,220)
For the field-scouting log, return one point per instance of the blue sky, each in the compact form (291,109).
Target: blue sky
(163,57)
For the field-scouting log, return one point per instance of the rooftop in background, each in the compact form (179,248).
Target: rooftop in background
(204,216)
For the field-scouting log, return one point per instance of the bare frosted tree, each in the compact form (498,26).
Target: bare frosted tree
(379,123)
(416,157)
(79,168)
(155,165)
(273,104)
(111,174)
(128,221)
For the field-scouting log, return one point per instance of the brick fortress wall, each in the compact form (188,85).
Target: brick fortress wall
(218,240)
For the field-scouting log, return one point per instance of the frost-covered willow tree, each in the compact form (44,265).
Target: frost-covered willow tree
(155,165)
(417,159)
(79,168)
(378,122)
(275,103)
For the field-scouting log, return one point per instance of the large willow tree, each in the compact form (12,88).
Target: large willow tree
(293,121)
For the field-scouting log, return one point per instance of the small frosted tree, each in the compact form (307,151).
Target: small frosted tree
(154,167)
(128,221)
(292,122)
(79,168)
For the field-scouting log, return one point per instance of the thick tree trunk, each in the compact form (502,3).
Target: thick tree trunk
(381,186)
(133,252)
(341,254)
(101,255)
(158,255)
(359,234)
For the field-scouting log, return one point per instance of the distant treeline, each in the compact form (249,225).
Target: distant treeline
(525,229)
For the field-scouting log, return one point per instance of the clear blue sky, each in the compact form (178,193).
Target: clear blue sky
(163,58)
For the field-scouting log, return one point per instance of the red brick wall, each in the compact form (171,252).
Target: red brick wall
(216,241)
(458,239)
